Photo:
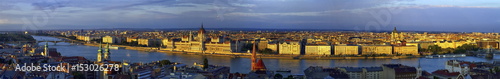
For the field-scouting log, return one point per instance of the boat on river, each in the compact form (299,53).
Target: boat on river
(116,47)
(446,56)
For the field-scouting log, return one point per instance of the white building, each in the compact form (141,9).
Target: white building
(111,39)
(376,49)
(290,47)
(148,42)
(458,66)
(314,49)
(346,50)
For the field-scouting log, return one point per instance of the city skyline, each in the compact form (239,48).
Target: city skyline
(359,15)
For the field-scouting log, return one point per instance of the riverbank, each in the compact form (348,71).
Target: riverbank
(248,55)
(15,37)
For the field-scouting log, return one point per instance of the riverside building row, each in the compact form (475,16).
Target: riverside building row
(219,44)
(296,48)
(223,42)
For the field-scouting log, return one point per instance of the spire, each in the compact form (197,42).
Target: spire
(46,45)
(107,48)
(190,36)
(394,31)
(46,49)
(254,54)
(254,62)
(419,70)
(99,53)
(106,53)
(100,48)
(202,30)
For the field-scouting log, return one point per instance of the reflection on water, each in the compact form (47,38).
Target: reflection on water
(242,65)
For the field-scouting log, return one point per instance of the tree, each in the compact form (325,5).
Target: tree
(44,61)
(447,50)
(165,62)
(247,47)
(466,47)
(97,40)
(289,77)
(434,49)
(72,37)
(124,43)
(278,76)
(496,69)
(10,62)
(2,60)
(266,51)
(133,43)
(423,50)
(78,75)
(205,63)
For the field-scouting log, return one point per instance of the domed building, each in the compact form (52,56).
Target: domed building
(202,43)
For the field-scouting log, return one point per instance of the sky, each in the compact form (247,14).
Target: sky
(359,15)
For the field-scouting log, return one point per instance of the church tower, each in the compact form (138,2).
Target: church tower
(419,70)
(394,35)
(46,49)
(190,36)
(107,53)
(201,38)
(99,53)
(257,65)
(254,58)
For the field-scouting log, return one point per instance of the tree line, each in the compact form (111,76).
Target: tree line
(465,48)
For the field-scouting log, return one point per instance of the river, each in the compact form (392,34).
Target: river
(242,65)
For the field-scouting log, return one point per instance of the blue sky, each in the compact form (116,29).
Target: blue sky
(361,15)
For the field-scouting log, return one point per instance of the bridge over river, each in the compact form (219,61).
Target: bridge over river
(71,42)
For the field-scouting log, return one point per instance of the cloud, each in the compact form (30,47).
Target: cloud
(443,6)
(3,21)
(45,5)
(135,4)
(277,14)
(5,6)
(242,13)
(447,6)
(178,9)
(312,13)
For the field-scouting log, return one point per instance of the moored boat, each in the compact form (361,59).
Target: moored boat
(445,56)
(116,47)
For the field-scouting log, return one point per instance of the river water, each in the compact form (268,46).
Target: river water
(242,65)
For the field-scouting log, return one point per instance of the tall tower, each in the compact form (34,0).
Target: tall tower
(419,70)
(257,65)
(394,35)
(99,53)
(107,53)
(46,49)
(254,58)
(190,36)
(201,38)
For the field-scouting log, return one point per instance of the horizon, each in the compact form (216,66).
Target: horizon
(359,15)
(248,29)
